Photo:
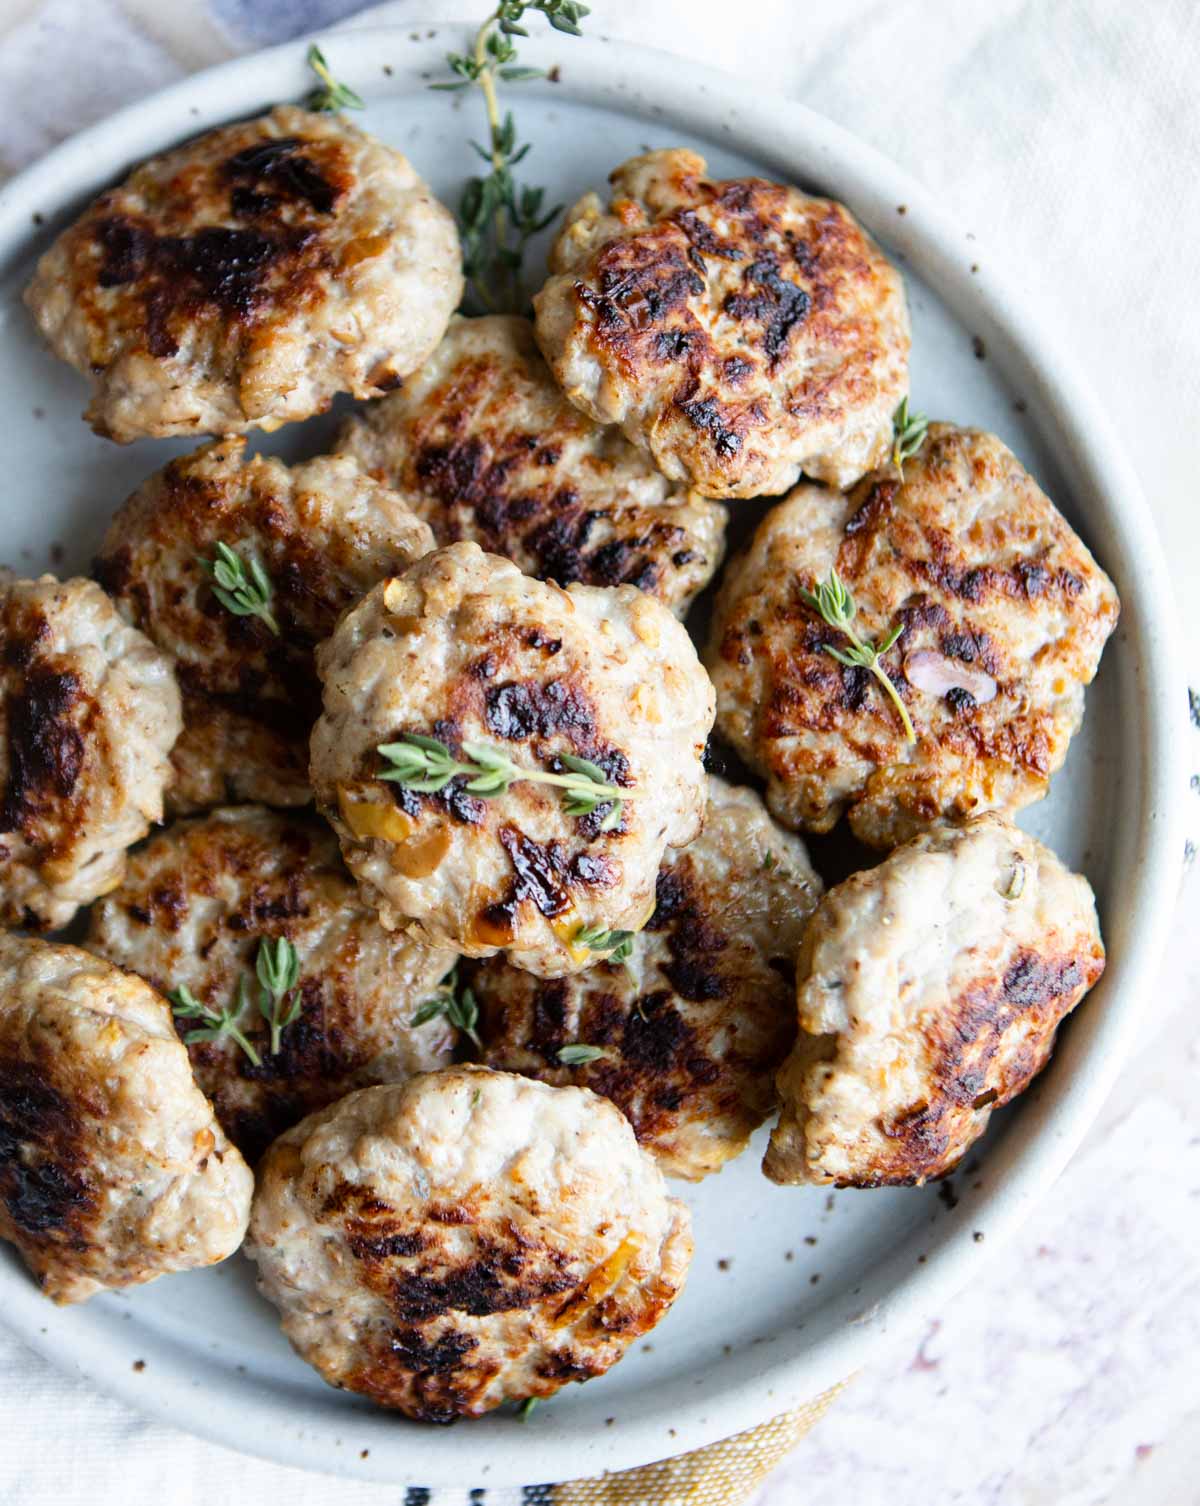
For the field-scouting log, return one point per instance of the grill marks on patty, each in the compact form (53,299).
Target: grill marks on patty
(48,719)
(43,1161)
(645,284)
(279,192)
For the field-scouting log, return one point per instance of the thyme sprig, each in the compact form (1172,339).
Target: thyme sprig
(332,94)
(617,946)
(219,1024)
(459,1006)
(425,765)
(834,604)
(278,970)
(278,973)
(580,1055)
(498,216)
(242,587)
(908,435)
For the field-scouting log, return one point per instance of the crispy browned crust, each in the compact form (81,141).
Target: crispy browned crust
(48,1205)
(483,446)
(196,902)
(752,328)
(986,1048)
(158,274)
(251,696)
(695,1027)
(979,567)
(48,721)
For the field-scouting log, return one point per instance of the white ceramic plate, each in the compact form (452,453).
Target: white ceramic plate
(791,1289)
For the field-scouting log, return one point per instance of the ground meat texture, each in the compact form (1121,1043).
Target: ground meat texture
(89,709)
(930,989)
(113,1169)
(463,648)
(323,531)
(740,331)
(242,280)
(695,1025)
(1004,615)
(465,1239)
(483,445)
(196,904)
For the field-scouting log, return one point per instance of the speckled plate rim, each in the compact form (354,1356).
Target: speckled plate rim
(750,1387)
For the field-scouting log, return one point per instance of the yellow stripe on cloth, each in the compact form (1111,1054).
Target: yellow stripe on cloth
(721,1474)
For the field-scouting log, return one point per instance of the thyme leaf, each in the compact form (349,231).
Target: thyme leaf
(833,603)
(497,215)
(426,765)
(219,1024)
(278,973)
(460,1007)
(908,435)
(242,587)
(617,946)
(579,1055)
(332,94)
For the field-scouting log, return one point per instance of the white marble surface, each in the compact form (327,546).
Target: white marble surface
(1066,134)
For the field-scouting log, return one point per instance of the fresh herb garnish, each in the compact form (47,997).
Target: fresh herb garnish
(426,765)
(908,435)
(579,1056)
(526,1408)
(498,217)
(835,605)
(219,1023)
(243,588)
(278,972)
(332,93)
(460,1008)
(616,945)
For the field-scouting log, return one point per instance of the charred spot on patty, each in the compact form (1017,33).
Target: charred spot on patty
(218,266)
(45,744)
(707,415)
(43,1164)
(281,164)
(771,300)
(521,709)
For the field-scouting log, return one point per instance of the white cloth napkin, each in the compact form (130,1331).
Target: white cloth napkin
(1066,134)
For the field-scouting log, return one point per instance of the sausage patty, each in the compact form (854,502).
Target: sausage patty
(241,280)
(1002,613)
(113,1169)
(461,650)
(89,709)
(482,444)
(930,991)
(322,532)
(199,902)
(740,331)
(464,1239)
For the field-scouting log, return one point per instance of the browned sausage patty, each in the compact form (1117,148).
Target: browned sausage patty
(199,901)
(241,280)
(323,532)
(1003,611)
(689,1032)
(482,444)
(740,331)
